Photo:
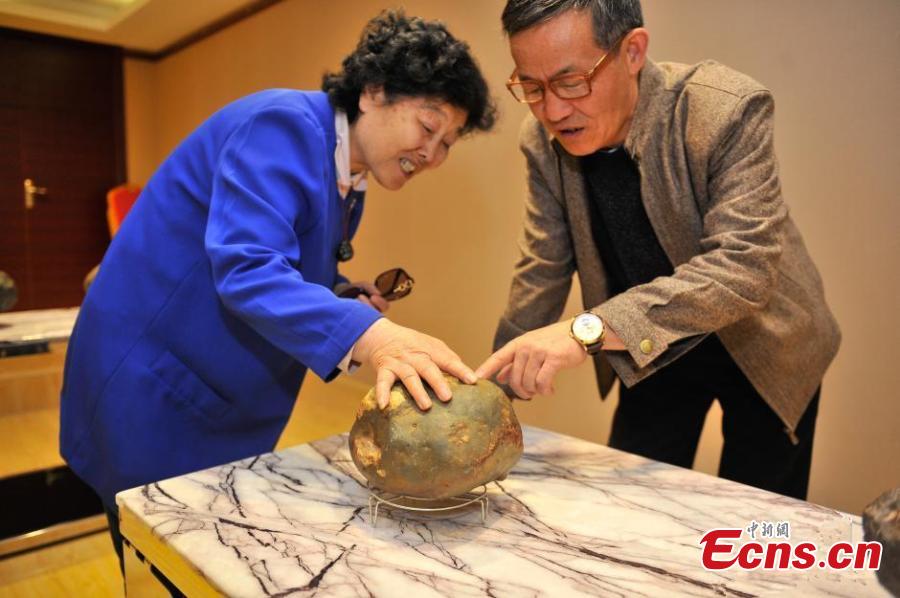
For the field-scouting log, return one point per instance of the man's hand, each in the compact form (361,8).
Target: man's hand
(529,363)
(398,353)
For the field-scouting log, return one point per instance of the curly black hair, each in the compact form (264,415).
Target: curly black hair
(411,57)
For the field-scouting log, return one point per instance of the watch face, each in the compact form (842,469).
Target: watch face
(587,328)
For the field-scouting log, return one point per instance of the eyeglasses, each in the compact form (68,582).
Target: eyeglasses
(392,284)
(570,86)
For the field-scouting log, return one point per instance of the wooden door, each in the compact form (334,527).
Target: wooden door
(13,254)
(61,126)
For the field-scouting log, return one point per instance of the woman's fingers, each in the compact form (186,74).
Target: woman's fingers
(384,381)
(367,287)
(379,303)
(412,382)
(450,362)
(394,370)
(413,358)
(372,296)
(374,301)
(432,374)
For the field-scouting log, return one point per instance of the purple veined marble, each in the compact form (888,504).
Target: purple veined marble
(572,518)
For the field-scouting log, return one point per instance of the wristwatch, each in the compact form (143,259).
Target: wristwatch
(588,329)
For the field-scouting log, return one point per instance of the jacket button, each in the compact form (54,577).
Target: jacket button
(646,346)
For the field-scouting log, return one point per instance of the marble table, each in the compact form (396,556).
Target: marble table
(23,332)
(572,519)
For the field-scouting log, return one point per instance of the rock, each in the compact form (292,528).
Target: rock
(881,522)
(446,451)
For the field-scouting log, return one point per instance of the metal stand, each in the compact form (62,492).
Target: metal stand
(427,505)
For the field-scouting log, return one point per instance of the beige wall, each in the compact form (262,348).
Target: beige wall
(833,68)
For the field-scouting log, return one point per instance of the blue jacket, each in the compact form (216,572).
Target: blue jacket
(212,300)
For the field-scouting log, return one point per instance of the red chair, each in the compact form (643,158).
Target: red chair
(118,202)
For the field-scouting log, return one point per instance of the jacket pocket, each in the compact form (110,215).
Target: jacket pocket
(188,388)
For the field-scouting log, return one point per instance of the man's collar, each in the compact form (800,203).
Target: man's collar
(651,82)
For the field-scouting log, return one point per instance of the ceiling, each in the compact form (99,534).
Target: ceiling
(145,26)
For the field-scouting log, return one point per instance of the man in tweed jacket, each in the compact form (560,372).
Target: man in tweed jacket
(658,184)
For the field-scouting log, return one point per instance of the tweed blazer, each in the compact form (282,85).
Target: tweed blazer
(702,138)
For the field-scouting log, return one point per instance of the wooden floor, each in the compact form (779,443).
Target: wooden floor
(84,567)
(29,428)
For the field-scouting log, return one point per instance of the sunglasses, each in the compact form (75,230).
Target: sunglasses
(392,285)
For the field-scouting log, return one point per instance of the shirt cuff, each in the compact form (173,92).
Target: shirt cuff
(347,365)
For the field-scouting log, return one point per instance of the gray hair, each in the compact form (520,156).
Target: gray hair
(611,18)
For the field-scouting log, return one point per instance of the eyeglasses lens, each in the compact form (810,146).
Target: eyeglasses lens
(570,88)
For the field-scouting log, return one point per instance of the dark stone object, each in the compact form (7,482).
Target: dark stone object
(881,523)
(9,294)
(446,451)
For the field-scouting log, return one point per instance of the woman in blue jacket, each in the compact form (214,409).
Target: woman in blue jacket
(216,294)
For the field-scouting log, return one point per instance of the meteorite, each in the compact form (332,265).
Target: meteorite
(445,451)
(881,522)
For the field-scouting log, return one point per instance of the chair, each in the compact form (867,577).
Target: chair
(118,202)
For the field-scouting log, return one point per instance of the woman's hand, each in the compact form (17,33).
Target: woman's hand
(372,296)
(399,353)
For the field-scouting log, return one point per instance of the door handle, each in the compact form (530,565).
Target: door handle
(30,191)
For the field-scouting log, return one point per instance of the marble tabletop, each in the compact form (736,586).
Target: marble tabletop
(37,325)
(573,518)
